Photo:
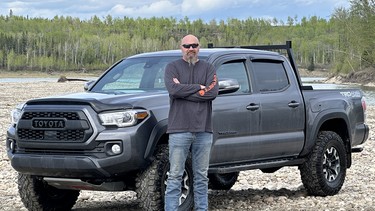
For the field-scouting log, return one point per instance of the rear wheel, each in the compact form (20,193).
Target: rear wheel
(36,194)
(324,172)
(151,183)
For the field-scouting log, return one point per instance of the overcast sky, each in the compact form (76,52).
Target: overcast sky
(193,9)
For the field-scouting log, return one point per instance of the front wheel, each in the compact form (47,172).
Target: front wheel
(36,194)
(324,171)
(151,183)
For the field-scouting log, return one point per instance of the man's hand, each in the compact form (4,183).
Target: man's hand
(176,81)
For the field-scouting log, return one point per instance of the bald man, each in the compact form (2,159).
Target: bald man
(192,86)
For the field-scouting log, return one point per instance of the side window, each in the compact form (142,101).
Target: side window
(235,70)
(270,75)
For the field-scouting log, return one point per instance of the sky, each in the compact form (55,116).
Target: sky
(206,10)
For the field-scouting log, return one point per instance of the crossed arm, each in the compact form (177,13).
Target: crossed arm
(193,92)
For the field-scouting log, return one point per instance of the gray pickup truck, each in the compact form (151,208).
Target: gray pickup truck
(112,137)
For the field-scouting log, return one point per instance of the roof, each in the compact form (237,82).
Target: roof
(206,52)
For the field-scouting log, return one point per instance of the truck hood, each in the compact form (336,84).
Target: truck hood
(103,102)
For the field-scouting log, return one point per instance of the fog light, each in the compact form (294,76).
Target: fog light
(11,144)
(116,149)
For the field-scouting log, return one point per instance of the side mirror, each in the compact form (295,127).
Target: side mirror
(88,85)
(228,85)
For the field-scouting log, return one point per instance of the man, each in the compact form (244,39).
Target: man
(192,85)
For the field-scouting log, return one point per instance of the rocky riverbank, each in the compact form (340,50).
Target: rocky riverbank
(254,190)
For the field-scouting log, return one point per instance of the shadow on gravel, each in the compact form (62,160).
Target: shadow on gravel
(254,198)
(221,200)
(255,195)
(107,206)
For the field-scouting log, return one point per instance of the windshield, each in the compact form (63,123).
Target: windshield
(134,75)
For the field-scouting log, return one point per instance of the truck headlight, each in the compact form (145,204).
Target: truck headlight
(15,114)
(123,118)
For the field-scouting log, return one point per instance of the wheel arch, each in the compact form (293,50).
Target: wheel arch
(336,121)
(158,136)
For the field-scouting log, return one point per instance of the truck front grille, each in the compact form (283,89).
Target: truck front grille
(37,126)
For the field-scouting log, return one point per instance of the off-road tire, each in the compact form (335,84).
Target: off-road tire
(151,183)
(222,181)
(324,172)
(37,195)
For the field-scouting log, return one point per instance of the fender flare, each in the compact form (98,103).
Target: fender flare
(319,120)
(157,132)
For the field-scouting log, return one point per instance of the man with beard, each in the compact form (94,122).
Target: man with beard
(192,85)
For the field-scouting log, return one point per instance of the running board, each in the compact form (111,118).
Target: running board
(258,165)
(77,184)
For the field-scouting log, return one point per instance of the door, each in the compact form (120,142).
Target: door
(232,117)
(281,126)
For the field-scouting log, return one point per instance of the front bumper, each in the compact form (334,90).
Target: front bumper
(95,163)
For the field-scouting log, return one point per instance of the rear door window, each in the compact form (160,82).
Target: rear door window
(270,75)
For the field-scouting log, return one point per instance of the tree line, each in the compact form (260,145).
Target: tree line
(343,43)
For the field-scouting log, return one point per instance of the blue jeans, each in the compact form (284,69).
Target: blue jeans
(179,147)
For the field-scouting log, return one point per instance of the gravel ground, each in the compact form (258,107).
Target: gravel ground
(254,190)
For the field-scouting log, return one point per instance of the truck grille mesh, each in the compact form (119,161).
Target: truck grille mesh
(30,134)
(68,135)
(71,135)
(67,115)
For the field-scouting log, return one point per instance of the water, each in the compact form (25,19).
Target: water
(315,82)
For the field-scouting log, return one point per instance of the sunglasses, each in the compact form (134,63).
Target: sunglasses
(187,46)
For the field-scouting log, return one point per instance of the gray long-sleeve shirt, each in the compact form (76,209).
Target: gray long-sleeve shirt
(190,107)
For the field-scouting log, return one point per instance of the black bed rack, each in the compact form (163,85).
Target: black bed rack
(287,47)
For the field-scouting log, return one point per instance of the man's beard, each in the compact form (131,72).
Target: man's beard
(191,58)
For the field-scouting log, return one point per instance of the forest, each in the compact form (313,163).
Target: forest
(344,43)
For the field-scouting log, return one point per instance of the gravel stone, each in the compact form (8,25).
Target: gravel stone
(254,190)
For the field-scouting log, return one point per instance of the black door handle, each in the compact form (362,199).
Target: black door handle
(252,107)
(293,104)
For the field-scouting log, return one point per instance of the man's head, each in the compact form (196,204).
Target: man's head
(190,49)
